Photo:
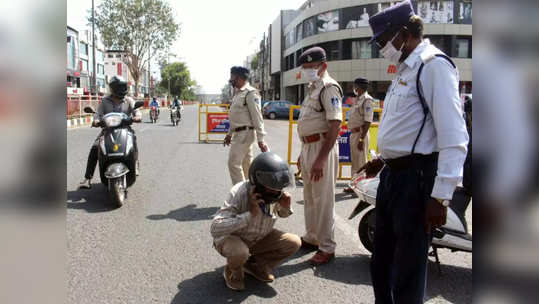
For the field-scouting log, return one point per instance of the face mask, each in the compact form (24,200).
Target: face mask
(311,75)
(390,52)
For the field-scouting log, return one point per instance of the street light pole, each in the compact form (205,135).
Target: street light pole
(93,84)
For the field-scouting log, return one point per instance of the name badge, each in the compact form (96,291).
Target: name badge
(401,82)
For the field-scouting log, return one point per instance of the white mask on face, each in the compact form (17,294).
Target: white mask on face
(390,52)
(310,75)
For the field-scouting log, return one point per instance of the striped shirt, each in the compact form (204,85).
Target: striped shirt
(234,218)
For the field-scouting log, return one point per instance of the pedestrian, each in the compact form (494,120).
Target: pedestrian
(243,229)
(117,101)
(422,139)
(319,124)
(246,121)
(360,120)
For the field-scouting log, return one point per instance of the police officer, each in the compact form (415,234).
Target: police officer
(319,124)
(116,102)
(360,120)
(422,139)
(245,122)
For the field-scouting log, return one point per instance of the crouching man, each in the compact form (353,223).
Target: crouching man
(243,228)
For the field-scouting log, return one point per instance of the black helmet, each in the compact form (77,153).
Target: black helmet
(270,172)
(118,86)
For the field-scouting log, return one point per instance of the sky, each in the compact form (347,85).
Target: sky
(214,34)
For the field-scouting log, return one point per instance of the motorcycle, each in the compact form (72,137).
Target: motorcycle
(175,115)
(453,235)
(153,114)
(117,158)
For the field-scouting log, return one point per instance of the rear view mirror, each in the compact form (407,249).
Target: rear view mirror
(139,104)
(88,110)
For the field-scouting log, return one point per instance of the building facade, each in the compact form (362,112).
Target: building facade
(115,65)
(72,68)
(342,29)
(86,62)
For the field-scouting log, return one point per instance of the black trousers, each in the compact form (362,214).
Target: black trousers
(93,156)
(399,260)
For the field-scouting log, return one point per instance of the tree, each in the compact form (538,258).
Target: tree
(181,84)
(226,96)
(140,28)
(254,63)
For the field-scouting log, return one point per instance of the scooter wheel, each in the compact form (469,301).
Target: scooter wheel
(366,230)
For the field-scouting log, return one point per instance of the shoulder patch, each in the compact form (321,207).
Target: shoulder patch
(256,100)
(335,101)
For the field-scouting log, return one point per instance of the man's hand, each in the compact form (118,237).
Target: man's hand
(372,168)
(96,123)
(360,145)
(435,215)
(255,199)
(317,170)
(227,140)
(285,200)
(263,147)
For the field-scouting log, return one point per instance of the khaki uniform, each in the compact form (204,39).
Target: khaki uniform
(244,112)
(360,113)
(319,196)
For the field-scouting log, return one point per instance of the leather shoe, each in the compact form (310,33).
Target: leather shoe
(321,258)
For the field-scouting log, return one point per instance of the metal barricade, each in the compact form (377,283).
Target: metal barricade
(212,122)
(373,132)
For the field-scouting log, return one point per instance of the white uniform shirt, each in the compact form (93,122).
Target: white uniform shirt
(246,113)
(445,129)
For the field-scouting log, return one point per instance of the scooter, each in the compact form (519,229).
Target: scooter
(117,157)
(453,235)
(175,115)
(153,114)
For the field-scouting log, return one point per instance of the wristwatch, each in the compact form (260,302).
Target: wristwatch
(443,202)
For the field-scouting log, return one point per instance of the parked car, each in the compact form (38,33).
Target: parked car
(278,109)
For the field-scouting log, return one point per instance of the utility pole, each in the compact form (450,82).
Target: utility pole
(93,84)
(149,73)
(263,63)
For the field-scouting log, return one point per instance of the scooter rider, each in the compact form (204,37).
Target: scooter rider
(116,102)
(177,104)
(155,104)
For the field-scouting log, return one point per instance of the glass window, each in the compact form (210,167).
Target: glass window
(84,48)
(328,22)
(119,56)
(100,69)
(299,32)
(110,56)
(309,27)
(361,49)
(465,12)
(435,11)
(84,65)
(289,39)
(463,48)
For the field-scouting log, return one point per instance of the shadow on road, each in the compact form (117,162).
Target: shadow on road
(187,213)
(91,200)
(209,287)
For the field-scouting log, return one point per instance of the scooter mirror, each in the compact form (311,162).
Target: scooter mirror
(88,110)
(139,104)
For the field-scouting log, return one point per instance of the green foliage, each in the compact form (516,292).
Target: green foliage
(141,28)
(181,84)
(225,93)
(254,63)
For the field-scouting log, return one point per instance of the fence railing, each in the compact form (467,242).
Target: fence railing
(75,105)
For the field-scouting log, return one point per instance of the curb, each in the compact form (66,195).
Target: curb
(79,122)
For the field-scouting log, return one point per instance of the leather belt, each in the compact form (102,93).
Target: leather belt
(355,130)
(411,161)
(243,128)
(312,138)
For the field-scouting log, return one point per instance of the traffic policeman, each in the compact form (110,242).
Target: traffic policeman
(422,139)
(319,124)
(359,122)
(246,122)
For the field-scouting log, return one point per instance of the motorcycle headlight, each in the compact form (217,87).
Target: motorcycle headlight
(112,121)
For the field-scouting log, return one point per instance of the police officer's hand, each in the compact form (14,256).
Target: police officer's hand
(360,145)
(435,215)
(285,200)
(263,147)
(255,199)
(317,170)
(372,168)
(227,140)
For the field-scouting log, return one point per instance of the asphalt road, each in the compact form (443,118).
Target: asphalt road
(157,247)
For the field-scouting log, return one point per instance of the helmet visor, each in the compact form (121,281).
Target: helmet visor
(276,180)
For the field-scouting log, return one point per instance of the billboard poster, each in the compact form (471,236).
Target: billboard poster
(465,12)
(309,27)
(344,145)
(217,123)
(435,11)
(328,22)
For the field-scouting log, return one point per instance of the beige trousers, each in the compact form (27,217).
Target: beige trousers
(319,197)
(240,155)
(359,158)
(269,252)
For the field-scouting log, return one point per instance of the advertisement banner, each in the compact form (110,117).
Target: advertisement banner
(218,123)
(344,145)
(436,11)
